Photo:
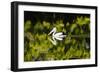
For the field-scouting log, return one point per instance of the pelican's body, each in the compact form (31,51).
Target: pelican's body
(56,36)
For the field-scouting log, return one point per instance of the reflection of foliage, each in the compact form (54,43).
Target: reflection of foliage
(75,46)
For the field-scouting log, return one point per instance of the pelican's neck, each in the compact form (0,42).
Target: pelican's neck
(53,33)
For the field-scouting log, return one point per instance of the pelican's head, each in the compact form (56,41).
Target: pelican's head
(53,31)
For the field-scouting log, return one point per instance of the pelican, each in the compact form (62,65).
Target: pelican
(56,36)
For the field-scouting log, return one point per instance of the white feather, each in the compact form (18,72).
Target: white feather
(57,36)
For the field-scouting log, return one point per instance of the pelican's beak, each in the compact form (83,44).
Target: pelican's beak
(49,34)
(53,30)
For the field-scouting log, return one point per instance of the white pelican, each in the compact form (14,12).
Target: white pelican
(56,36)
